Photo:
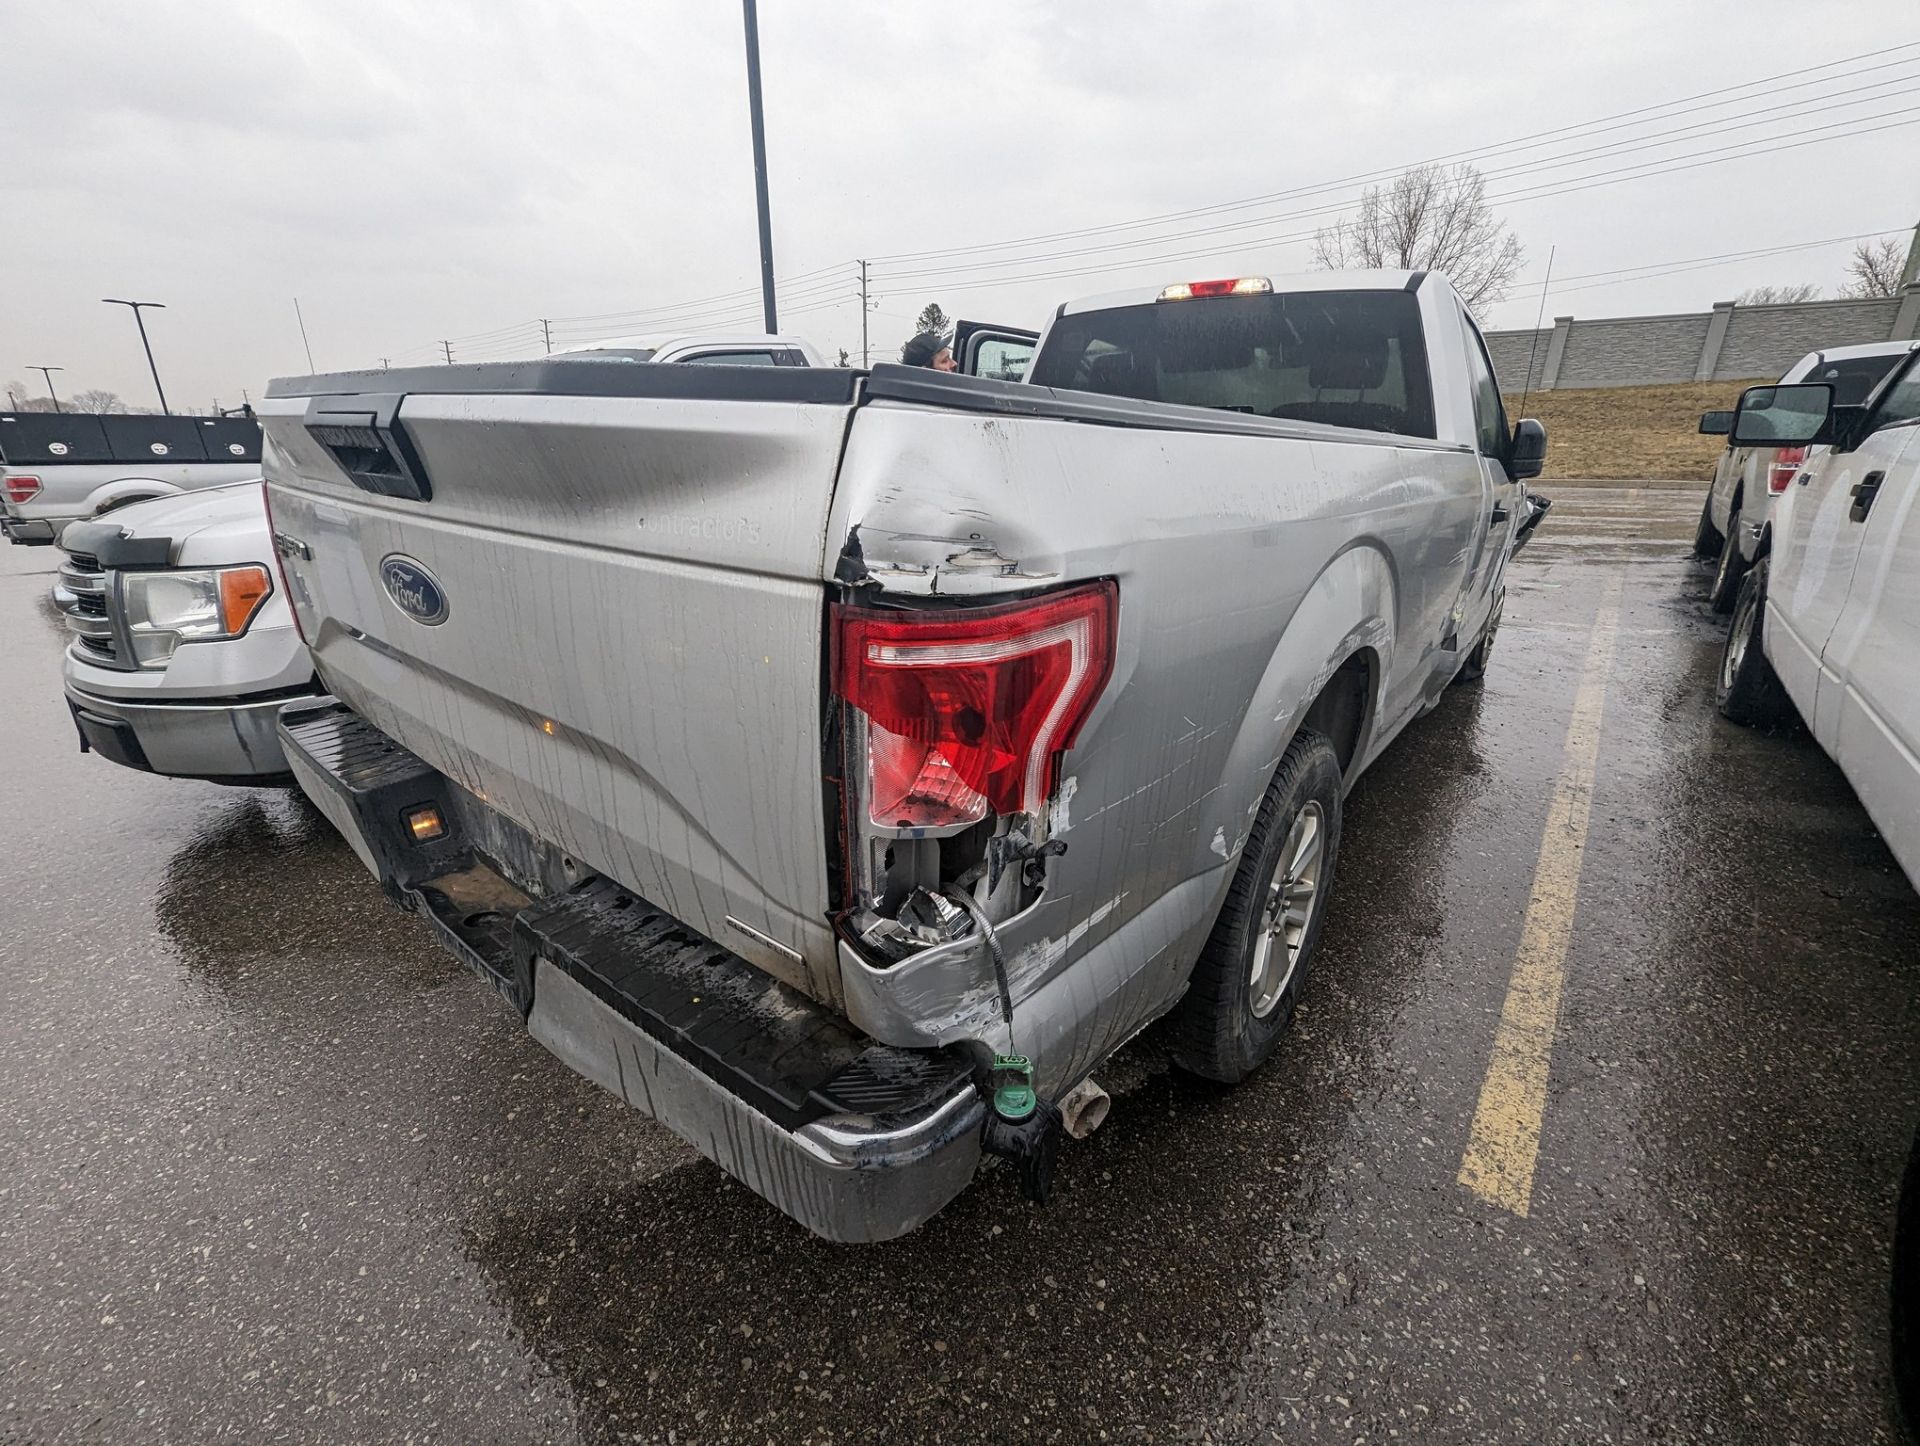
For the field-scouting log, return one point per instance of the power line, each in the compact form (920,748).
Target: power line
(1707,263)
(1640,171)
(1333,208)
(735,307)
(1469,153)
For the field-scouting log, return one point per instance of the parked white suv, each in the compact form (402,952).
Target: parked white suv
(1828,620)
(1747,479)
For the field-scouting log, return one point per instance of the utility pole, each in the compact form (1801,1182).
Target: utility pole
(385,362)
(303,334)
(546,334)
(863,315)
(760,166)
(137,321)
(48,372)
(447,347)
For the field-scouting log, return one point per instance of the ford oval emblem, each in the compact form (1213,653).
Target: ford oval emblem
(414,590)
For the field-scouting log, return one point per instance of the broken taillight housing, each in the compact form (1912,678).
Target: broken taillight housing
(964,711)
(1786,461)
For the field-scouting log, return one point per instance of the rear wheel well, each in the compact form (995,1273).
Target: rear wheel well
(116,503)
(1339,714)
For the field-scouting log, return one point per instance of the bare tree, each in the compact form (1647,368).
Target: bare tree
(1432,218)
(1777,295)
(932,318)
(98,399)
(19,399)
(1876,268)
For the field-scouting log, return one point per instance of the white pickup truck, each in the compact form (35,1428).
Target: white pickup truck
(1828,621)
(61,467)
(840,766)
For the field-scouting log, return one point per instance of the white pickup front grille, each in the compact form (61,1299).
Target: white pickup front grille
(87,616)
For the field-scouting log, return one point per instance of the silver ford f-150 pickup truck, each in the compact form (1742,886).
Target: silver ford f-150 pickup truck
(840,766)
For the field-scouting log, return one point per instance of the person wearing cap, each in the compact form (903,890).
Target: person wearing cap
(928,349)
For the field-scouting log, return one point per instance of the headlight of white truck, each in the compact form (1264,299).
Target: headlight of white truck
(166,609)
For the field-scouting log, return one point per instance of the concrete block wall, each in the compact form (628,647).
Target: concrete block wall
(1513,351)
(1763,341)
(1637,348)
(1727,343)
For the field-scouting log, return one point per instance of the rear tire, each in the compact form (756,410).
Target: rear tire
(1747,690)
(1249,973)
(1707,540)
(1733,567)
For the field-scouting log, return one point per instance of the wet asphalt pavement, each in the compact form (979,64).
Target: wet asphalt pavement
(273,1168)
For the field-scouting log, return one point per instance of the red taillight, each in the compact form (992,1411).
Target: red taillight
(966,711)
(1786,461)
(280,562)
(1231,286)
(22,488)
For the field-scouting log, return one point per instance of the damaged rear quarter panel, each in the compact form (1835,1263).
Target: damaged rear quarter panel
(1248,568)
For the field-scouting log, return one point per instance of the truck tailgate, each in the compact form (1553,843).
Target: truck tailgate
(604,620)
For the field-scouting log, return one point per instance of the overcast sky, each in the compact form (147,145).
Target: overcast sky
(418,171)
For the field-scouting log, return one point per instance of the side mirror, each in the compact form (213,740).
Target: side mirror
(1800,415)
(1716,424)
(1529,452)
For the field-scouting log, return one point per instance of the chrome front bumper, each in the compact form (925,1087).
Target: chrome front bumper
(223,743)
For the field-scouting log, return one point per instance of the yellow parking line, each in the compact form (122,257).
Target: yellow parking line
(1505,1142)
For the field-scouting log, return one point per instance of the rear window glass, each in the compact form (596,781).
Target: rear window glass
(1345,358)
(1853,378)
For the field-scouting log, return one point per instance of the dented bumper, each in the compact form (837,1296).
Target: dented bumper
(855,1139)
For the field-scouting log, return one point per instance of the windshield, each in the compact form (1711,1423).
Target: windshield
(1346,358)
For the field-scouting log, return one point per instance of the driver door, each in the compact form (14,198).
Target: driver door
(1817,548)
(1506,499)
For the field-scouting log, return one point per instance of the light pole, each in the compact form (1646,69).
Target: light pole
(760,167)
(48,372)
(137,321)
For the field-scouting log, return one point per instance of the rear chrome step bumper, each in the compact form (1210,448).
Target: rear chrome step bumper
(844,1177)
(856,1140)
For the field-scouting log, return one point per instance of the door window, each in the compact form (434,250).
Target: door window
(730,359)
(1003,358)
(1489,412)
